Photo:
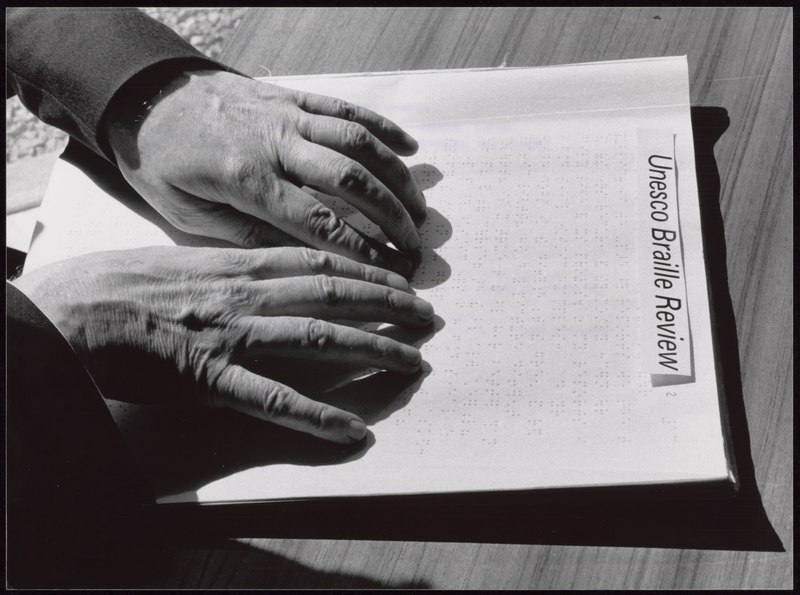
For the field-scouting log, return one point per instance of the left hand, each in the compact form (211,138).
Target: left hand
(226,156)
(212,324)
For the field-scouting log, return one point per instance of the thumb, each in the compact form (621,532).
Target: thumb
(221,221)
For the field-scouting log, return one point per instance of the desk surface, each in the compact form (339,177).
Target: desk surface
(740,60)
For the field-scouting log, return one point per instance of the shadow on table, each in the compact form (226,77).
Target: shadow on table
(241,565)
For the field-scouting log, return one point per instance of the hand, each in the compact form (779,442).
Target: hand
(225,156)
(155,323)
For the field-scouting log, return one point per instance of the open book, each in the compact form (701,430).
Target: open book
(564,258)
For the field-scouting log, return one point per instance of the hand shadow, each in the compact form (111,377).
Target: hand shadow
(183,447)
(372,394)
(431,269)
(435,230)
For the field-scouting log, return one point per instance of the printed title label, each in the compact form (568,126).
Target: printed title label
(665,312)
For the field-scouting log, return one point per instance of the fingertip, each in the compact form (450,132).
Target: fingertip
(395,281)
(421,212)
(402,265)
(386,258)
(404,144)
(411,144)
(356,429)
(423,310)
(414,257)
(413,240)
(411,355)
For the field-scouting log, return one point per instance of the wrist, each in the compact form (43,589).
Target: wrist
(134,101)
(52,289)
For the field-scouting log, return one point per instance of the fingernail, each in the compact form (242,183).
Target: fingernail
(411,354)
(421,213)
(413,241)
(356,429)
(423,309)
(397,282)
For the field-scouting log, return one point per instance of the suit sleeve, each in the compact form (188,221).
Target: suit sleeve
(67,64)
(70,480)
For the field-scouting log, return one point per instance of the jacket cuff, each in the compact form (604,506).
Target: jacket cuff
(68,64)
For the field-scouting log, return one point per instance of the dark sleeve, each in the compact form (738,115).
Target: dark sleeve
(66,64)
(69,476)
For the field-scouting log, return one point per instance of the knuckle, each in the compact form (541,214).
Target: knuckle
(348,176)
(317,336)
(369,254)
(274,193)
(323,222)
(396,213)
(328,290)
(291,96)
(233,296)
(370,274)
(235,259)
(380,346)
(317,261)
(215,308)
(402,173)
(393,300)
(283,130)
(319,417)
(181,219)
(241,171)
(355,136)
(207,356)
(216,396)
(246,175)
(343,109)
(251,235)
(277,403)
(199,317)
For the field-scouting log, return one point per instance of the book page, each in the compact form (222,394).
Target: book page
(546,365)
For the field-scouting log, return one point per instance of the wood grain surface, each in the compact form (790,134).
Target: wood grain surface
(740,60)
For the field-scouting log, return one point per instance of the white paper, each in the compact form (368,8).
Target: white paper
(537,375)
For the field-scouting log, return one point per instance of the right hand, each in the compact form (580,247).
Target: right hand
(222,155)
(153,323)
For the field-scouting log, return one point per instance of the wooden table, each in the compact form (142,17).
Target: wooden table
(740,60)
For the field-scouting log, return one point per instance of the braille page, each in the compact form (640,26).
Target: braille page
(538,257)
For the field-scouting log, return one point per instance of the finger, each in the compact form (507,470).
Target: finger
(325,297)
(249,393)
(301,215)
(298,262)
(335,174)
(195,215)
(355,141)
(299,219)
(309,338)
(387,131)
